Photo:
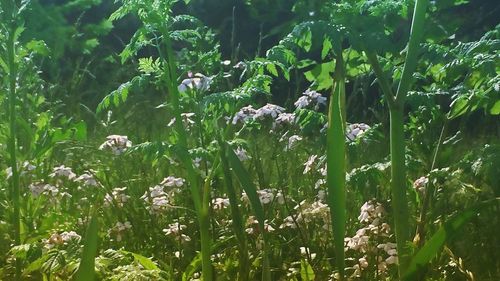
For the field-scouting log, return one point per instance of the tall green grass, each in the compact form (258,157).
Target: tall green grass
(396,102)
(336,162)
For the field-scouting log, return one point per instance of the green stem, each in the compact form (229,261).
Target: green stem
(238,226)
(416,34)
(336,163)
(12,146)
(193,178)
(399,184)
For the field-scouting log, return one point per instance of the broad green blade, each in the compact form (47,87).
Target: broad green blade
(86,271)
(444,233)
(336,170)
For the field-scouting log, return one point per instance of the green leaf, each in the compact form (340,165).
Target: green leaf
(321,76)
(306,271)
(495,109)
(327,46)
(443,234)
(147,263)
(86,270)
(459,107)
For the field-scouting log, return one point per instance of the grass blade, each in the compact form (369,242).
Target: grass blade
(336,164)
(443,234)
(251,191)
(86,270)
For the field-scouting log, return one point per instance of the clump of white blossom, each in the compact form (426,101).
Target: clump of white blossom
(186,119)
(308,213)
(310,97)
(63,172)
(372,240)
(420,184)
(158,199)
(87,179)
(119,230)
(356,130)
(37,188)
(24,169)
(197,81)
(244,114)
(116,144)
(59,239)
(266,196)
(175,230)
(117,197)
(268,110)
(220,203)
(253,226)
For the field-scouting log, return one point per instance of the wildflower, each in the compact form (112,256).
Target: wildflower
(253,226)
(157,198)
(119,230)
(244,114)
(36,189)
(288,222)
(241,153)
(356,130)
(186,119)
(285,118)
(266,196)
(198,82)
(172,182)
(62,172)
(370,211)
(309,97)
(293,141)
(268,110)
(87,179)
(116,143)
(61,239)
(175,230)
(309,163)
(220,203)
(118,196)
(24,169)
(420,184)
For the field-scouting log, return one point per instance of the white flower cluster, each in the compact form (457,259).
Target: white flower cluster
(308,165)
(87,179)
(175,230)
(375,230)
(310,97)
(25,168)
(186,119)
(307,213)
(266,196)
(116,143)
(269,110)
(220,203)
(63,172)
(119,230)
(38,188)
(63,238)
(420,184)
(197,82)
(253,226)
(356,130)
(285,118)
(158,198)
(293,141)
(117,196)
(242,153)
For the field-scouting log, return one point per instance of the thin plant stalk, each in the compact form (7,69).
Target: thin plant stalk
(237,218)
(396,104)
(12,146)
(193,178)
(336,162)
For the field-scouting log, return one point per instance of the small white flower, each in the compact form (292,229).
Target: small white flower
(87,179)
(309,163)
(220,203)
(198,82)
(62,172)
(293,141)
(268,110)
(172,182)
(116,143)
(244,114)
(286,118)
(241,153)
(356,130)
(420,184)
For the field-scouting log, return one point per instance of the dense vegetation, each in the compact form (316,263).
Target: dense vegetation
(249,140)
